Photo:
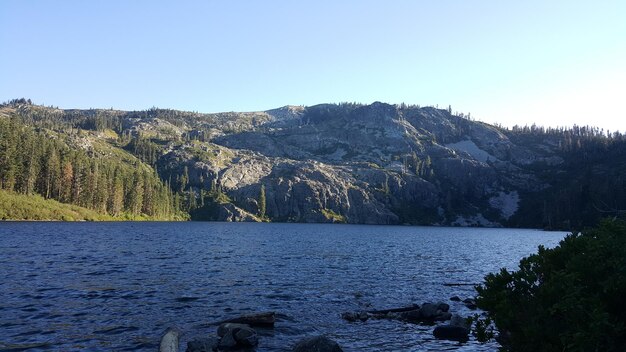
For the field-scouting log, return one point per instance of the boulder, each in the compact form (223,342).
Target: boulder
(443,316)
(246,337)
(457,320)
(234,335)
(455,299)
(428,311)
(444,307)
(203,344)
(349,316)
(170,340)
(227,342)
(471,306)
(317,344)
(470,303)
(224,328)
(427,314)
(412,316)
(452,333)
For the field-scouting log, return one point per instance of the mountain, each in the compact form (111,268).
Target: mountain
(367,164)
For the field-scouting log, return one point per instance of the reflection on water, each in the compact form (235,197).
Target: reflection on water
(117,286)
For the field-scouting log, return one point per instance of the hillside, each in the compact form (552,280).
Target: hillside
(370,164)
(34,207)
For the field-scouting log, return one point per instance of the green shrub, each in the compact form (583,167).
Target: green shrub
(329,214)
(570,298)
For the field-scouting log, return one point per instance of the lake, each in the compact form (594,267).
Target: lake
(118,286)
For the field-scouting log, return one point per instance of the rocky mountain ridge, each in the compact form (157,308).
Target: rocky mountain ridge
(367,164)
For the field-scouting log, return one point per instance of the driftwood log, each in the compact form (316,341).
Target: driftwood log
(266,319)
(394,310)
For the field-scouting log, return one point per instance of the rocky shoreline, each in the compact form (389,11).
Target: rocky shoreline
(239,334)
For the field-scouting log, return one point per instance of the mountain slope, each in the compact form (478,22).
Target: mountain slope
(373,164)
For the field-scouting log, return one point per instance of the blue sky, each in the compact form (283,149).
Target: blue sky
(512,62)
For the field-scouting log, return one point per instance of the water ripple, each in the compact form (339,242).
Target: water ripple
(117,286)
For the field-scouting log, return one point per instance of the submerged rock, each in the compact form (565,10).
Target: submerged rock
(203,344)
(443,316)
(354,316)
(457,320)
(236,336)
(412,316)
(427,314)
(317,344)
(428,311)
(470,303)
(444,307)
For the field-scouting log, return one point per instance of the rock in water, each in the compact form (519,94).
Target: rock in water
(317,344)
(458,320)
(452,333)
(224,328)
(444,307)
(412,316)
(428,311)
(204,344)
(443,316)
(227,342)
(246,337)
(236,336)
(170,340)
(354,316)
(350,316)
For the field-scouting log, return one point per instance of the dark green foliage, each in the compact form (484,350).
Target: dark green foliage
(262,202)
(587,186)
(570,298)
(482,328)
(33,163)
(143,148)
(210,204)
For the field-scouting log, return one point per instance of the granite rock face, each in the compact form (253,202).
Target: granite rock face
(371,164)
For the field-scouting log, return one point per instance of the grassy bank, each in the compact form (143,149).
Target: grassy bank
(34,207)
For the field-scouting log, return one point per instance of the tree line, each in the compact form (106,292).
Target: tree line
(35,162)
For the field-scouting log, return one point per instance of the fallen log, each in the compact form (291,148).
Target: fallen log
(394,310)
(266,319)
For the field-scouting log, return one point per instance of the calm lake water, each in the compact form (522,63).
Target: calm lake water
(117,286)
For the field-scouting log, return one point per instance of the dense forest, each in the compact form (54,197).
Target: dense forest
(39,161)
(589,185)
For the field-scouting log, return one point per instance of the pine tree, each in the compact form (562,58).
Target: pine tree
(262,202)
(67,179)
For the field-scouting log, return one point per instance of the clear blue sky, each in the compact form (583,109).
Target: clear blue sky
(513,62)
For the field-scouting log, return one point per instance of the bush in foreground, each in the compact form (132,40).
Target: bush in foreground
(569,298)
